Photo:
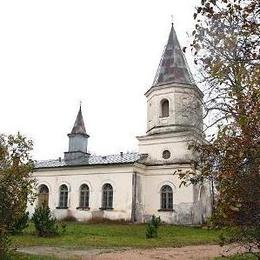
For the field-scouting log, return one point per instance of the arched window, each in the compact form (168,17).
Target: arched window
(166,198)
(43,196)
(63,203)
(164,108)
(107,197)
(84,196)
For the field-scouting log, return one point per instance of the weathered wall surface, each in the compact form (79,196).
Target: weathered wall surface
(155,178)
(202,203)
(190,205)
(95,177)
(176,143)
(185,108)
(140,195)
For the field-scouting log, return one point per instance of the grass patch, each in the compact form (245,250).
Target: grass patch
(21,256)
(98,220)
(83,235)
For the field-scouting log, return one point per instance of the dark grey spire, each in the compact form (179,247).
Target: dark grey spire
(79,126)
(78,140)
(173,67)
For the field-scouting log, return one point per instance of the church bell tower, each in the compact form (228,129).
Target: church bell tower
(174,107)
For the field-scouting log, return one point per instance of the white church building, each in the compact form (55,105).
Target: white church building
(135,186)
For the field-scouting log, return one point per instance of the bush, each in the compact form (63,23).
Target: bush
(152,227)
(20,224)
(4,244)
(45,224)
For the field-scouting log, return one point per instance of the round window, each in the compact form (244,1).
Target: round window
(166,154)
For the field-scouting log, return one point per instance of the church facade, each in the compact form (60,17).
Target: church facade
(135,186)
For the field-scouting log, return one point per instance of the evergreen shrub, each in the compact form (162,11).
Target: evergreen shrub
(152,227)
(46,224)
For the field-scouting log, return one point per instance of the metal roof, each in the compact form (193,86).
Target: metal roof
(90,160)
(173,67)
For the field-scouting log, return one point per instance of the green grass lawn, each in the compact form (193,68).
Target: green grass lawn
(20,256)
(82,235)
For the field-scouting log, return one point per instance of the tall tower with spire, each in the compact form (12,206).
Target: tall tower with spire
(78,139)
(174,107)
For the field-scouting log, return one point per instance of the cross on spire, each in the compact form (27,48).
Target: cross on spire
(172,19)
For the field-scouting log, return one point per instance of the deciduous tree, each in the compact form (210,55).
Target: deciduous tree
(226,47)
(16,184)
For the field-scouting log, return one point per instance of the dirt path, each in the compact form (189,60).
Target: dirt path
(188,252)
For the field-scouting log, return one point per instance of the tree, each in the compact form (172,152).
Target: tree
(16,184)
(45,223)
(226,47)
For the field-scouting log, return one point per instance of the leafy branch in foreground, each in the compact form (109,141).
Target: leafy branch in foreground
(227,51)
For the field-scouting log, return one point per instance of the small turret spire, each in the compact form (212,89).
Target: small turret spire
(173,67)
(78,139)
(79,126)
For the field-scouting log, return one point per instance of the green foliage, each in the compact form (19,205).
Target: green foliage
(16,185)
(152,227)
(45,224)
(20,224)
(4,244)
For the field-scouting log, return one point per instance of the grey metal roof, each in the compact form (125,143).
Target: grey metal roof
(173,67)
(90,160)
(79,126)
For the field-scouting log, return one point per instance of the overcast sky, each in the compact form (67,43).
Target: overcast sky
(105,53)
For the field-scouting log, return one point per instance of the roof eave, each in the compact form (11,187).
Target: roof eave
(84,165)
(174,84)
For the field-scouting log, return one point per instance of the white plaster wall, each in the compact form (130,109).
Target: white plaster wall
(176,143)
(154,179)
(185,108)
(153,108)
(95,177)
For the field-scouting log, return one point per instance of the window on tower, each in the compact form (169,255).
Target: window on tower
(164,108)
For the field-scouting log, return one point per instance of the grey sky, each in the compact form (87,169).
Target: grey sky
(105,53)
